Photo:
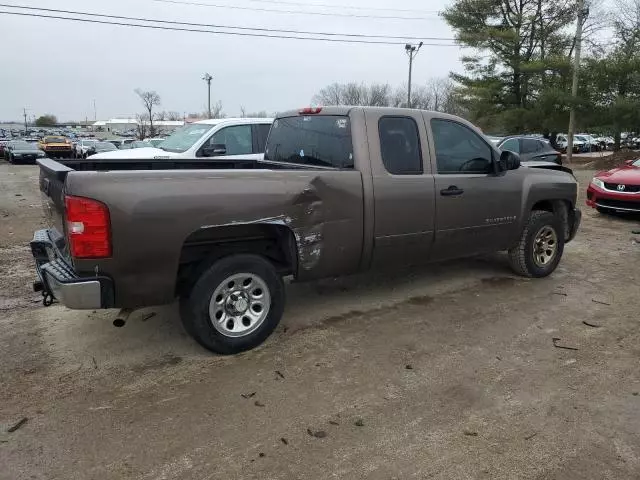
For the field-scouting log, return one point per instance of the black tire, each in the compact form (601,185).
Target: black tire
(521,257)
(194,306)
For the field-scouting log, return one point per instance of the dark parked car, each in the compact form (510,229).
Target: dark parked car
(101,147)
(19,151)
(531,149)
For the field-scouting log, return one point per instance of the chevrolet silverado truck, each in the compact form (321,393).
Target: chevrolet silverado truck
(56,147)
(340,190)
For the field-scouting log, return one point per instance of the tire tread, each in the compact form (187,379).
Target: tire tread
(518,254)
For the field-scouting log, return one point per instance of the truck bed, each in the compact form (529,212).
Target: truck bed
(87,164)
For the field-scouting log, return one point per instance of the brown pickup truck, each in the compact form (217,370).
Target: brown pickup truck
(340,190)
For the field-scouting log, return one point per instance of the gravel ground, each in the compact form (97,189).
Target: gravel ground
(448,372)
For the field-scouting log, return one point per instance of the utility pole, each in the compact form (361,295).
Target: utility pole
(95,112)
(574,87)
(24,110)
(412,51)
(207,78)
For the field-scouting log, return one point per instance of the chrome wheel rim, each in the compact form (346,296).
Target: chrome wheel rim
(239,305)
(545,246)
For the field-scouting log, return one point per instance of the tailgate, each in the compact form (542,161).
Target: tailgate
(52,177)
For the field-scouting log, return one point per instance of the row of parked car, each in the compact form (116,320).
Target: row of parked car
(29,149)
(582,142)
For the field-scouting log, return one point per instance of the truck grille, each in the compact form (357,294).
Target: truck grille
(58,148)
(627,188)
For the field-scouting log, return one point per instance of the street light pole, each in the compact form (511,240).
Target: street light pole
(412,51)
(207,78)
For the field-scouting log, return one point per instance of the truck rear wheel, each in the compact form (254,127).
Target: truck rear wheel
(235,304)
(541,246)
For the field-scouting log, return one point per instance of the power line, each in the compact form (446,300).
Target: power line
(326,5)
(170,22)
(241,34)
(292,12)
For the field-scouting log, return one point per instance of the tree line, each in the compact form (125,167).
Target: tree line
(437,94)
(518,68)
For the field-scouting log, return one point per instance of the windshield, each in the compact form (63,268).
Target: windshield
(105,147)
(636,163)
(55,140)
(184,138)
(22,146)
(581,138)
(323,140)
(89,142)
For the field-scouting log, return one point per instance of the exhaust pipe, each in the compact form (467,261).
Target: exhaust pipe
(122,317)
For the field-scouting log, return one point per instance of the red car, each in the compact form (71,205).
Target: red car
(616,190)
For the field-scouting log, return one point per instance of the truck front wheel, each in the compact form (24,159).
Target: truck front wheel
(541,246)
(235,304)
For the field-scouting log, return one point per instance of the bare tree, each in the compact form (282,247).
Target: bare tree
(216,111)
(150,99)
(174,116)
(329,95)
(142,126)
(378,95)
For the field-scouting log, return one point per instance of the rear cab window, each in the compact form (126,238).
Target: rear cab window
(312,140)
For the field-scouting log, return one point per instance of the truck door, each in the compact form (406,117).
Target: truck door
(403,187)
(476,208)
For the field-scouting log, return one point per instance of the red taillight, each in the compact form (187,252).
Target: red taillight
(88,228)
(309,110)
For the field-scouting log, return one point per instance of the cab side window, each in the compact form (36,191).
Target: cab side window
(530,145)
(512,145)
(236,140)
(400,145)
(459,149)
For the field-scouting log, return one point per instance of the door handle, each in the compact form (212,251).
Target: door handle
(452,191)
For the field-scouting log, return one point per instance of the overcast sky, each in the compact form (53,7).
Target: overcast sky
(61,67)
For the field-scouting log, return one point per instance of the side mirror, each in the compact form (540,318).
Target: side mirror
(214,150)
(509,161)
(629,162)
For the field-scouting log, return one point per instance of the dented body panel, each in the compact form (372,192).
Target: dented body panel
(154,212)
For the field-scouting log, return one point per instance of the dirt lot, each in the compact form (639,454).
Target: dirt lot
(447,373)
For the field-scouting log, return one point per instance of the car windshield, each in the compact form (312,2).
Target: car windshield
(636,163)
(22,146)
(55,140)
(89,142)
(184,138)
(105,147)
(581,138)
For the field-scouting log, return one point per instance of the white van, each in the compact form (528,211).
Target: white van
(223,137)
